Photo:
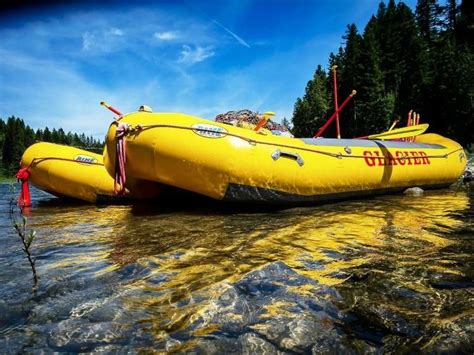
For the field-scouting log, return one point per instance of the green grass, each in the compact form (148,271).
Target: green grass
(6,179)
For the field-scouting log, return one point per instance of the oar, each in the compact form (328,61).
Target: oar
(114,110)
(333,116)
(393,125)
(264,120)
(336,103)
(398,133)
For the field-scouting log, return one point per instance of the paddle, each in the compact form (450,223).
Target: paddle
(334,115)
(393,124)
(264,120)
(404,132)
(114,110)
(336,103)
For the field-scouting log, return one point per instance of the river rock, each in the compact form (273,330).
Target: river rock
(468,176)
(272,309)
(456,337)
(414,191)
(76,336)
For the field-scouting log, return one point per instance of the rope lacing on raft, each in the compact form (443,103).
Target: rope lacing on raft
(120,177)
(138,128)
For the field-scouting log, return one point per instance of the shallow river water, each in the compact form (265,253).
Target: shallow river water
(389,274)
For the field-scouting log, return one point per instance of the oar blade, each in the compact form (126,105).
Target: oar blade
(403,132)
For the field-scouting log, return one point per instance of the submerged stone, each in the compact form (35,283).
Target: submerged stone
(413,191)
(76,336)
(271,309)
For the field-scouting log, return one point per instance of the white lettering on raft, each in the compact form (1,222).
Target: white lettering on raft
(85,159)
(208,130)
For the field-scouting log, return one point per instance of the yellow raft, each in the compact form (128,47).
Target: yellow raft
(75,173)
(230,163)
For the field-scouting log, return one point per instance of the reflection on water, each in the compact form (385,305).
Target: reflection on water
(392,273)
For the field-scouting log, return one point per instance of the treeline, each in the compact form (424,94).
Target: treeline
(16,136)
(422,61)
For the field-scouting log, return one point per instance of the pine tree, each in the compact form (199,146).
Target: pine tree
(61,136)
(464,30)
(451,14)
(16,136)
(13,145)
(30,136)
(39,135)
(55,136)
(406,61)
(349,74)
(387,33)
(427,13)
(464,39)
(376,108)
(47,135)
(412,62)
(76,142)
(3,127)
(285,122)
(309,111)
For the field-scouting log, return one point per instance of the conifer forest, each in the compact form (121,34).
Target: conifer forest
(401,61)
(16,136)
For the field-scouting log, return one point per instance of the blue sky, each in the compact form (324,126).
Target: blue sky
(58,62)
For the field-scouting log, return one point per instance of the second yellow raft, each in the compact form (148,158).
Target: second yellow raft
(66,171)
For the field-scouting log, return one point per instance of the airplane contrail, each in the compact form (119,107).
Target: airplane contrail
(239,39)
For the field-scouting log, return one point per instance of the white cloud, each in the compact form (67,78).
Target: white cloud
(196,55)
(66,91)
(55,96)
(116,31)
(88,41)
(105,40)
(166,36)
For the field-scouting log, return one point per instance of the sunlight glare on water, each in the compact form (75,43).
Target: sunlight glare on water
(392,273)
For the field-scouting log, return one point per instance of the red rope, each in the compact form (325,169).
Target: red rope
(24,199)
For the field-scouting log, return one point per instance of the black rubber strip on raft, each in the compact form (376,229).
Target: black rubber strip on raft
(253,194)
(112,199)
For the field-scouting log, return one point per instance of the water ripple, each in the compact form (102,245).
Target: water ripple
(391,274)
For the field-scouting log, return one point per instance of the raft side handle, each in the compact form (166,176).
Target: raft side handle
(277,154)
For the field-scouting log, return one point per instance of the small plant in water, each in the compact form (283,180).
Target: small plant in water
(26,236)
